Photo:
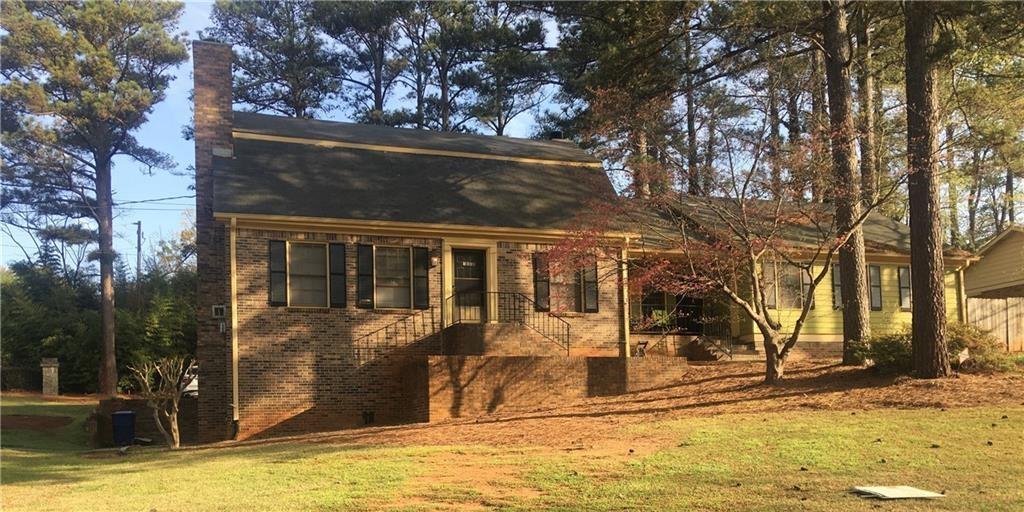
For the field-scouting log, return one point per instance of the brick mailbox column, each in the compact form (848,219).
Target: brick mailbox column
(50,376)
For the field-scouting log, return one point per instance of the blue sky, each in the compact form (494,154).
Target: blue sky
(163,219)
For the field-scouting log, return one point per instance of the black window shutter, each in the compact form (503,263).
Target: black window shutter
(541,282)
(420,278)
(589,281)
(278,273)
(338,289)
(364,276)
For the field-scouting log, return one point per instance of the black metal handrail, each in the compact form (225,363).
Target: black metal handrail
(402,332)
(510,307)
(715,335)
(721,345)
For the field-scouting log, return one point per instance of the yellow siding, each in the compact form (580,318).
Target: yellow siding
(824,320)
(1001,266)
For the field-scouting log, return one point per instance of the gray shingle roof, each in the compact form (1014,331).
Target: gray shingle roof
(881,234)
(282,178)
(409,138)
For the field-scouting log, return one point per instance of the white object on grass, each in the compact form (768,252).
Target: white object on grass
(895,492)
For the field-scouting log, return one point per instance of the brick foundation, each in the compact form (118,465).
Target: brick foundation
(468,386)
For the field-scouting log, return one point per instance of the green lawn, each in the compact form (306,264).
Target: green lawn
(726,462)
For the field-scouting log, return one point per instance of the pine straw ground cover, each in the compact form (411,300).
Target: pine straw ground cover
(719,441)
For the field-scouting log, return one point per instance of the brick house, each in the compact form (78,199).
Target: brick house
(334,257)
(353,274)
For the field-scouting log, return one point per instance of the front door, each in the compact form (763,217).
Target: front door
(470,285)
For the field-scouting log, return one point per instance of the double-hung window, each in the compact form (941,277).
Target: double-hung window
(577,291)
(304,274)
(769,285)
(906,301)
(393,279)
(837,288)
(875,286)
(390,277)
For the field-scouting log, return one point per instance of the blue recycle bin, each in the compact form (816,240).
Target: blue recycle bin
(123,423)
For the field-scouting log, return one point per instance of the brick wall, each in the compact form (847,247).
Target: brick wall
(469,386)
(298,370)
(817,350)
(213,119)
(591,333)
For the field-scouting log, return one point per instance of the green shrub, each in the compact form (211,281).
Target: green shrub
(984,352)
(889,353)
(892,353)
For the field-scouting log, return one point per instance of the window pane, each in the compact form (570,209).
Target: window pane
(768,283)
(875,281)
(905,301)
(393,279)
(790,286)
(837,287)
(307,280)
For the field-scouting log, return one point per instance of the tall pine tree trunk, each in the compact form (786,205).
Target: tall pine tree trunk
(856,313)
(817,128)
(105,222)
(692,167)
(865,100)
(774,131)
(952,189)
(931,359)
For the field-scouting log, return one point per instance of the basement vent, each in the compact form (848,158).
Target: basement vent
(367,417)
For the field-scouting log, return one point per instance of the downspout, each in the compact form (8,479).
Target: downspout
(624,273)
(234,330)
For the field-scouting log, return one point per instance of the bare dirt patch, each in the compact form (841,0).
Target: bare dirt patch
(466,481)
(33,421)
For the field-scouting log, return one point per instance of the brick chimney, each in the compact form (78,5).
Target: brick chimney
(213,121)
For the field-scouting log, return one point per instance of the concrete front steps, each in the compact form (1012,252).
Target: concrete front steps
(707,351)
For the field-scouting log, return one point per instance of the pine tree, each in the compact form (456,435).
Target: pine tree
(80,79)
(281,63)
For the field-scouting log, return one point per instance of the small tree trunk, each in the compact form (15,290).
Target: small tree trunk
(172,422)
(931,358)
(775,362)
(155,406)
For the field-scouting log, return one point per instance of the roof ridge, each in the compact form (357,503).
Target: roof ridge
(367,136)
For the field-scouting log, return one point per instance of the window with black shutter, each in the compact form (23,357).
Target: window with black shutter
(837,288)
(364,276)
(420,279)
(906,303)
(805,288)
(541,282)
(769,284)
(589,287)
(337,279)
(278,273)
(875,287)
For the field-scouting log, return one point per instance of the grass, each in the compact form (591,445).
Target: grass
(727,462)
(71,437)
